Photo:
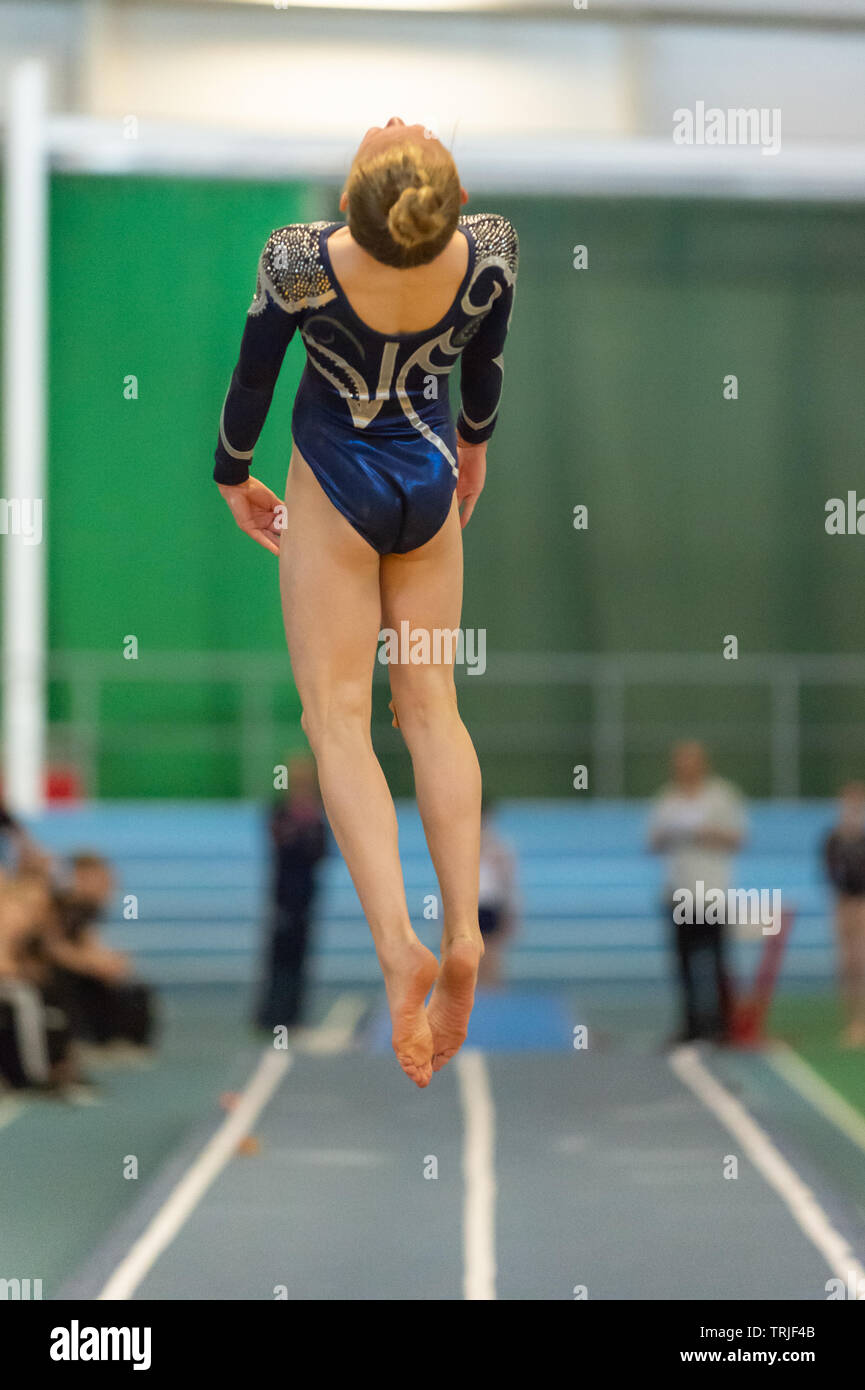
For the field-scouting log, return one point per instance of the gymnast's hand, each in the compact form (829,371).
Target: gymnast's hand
(257,511)
(472,460)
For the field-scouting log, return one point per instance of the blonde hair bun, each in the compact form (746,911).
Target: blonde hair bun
(404,204)
(416,216)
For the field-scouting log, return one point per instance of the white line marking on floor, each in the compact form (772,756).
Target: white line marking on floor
(336,1030)
(10,1109)
(479,1200)
(171,1216)
(809,1083)
(799,1199)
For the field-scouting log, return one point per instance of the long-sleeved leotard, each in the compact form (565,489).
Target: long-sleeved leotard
(372,414)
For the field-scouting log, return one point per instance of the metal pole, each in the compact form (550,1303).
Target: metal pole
(785,733)
(24,238)
(608,773)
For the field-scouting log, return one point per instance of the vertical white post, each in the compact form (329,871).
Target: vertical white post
(24,404)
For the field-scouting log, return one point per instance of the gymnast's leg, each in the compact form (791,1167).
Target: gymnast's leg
(424,587)
(329,583)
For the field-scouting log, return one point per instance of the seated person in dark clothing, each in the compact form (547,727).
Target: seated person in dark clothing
(106,1004)
(36,1045)
(297,832)
(844,860)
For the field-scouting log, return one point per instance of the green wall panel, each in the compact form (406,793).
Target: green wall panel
(152,278)
(706,516)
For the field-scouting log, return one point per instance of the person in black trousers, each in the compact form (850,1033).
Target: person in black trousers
(698,824)
(298,838)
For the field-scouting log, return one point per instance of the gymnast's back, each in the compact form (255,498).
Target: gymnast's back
(367,398)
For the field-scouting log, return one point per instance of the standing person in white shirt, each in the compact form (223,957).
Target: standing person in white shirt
(698,822)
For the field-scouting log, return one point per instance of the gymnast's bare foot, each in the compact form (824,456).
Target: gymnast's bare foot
(452,999)
(409,974)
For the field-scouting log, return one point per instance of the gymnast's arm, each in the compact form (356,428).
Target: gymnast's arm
(269,330)
(481,375)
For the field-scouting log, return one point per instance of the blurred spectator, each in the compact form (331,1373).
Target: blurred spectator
(105,1003)
(297,833)
(36,1048)
(844,858)
(497,898)
(14,840)
(698,822)
(59,983)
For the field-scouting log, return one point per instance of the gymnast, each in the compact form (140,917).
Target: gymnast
(381,482)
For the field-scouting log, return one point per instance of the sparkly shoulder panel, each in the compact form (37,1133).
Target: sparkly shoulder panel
(290,270)
(495,236)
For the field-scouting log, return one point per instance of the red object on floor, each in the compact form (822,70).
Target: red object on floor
(60,784)
(63,784)
(747,1025)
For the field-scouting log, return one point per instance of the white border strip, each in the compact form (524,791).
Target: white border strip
(812,1087)
(561,163)
(204,1171)
(479,1241)
(799,1199)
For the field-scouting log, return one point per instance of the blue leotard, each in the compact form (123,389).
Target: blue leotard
(372,415)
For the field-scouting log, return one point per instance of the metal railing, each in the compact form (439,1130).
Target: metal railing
(606,739)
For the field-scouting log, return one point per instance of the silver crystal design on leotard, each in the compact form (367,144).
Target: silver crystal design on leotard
(353,386)
(422,358)
(290,271)
(363,407)
(497,245)
(496,238)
